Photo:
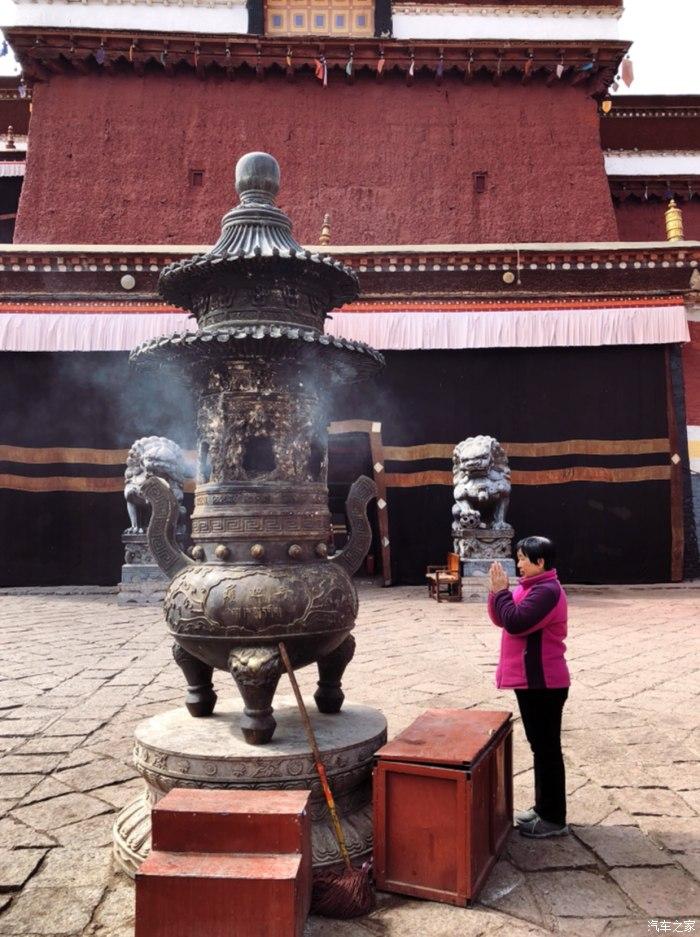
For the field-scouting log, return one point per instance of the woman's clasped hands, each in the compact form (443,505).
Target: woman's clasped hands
(497,577)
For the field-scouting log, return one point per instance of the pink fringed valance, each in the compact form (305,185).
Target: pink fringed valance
(385,329)
(67,331)
(514,328)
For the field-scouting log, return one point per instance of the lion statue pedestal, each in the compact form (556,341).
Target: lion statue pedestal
(142,581)
(479,528)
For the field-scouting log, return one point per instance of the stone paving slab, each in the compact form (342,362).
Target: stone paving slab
(17,865)
(579,893)
(631,739)
(564,852)
(667,892)
(623,845)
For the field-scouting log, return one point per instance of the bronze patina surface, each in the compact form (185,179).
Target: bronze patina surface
(263,369)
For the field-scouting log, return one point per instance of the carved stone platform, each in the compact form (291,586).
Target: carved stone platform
(475,577)
(175,750)
(485,543)
(480,568)
(142,581)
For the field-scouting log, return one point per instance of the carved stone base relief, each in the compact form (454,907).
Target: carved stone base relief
(174,750)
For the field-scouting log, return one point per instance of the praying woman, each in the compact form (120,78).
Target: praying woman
(532,663)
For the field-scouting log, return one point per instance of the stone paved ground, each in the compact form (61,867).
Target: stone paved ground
(78,672)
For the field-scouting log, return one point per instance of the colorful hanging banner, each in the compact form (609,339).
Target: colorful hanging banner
(321,70)
(627,71)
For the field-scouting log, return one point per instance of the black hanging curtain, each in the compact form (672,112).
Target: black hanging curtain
(597,477)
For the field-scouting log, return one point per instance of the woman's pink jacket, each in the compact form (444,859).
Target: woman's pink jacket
(533,618)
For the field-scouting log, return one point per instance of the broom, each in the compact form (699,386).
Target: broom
(346,893)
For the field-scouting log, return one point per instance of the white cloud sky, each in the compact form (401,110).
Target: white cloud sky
(665,51)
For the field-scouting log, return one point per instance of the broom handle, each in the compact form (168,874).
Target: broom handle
(339,835)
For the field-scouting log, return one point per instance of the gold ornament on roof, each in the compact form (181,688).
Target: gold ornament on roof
(674,222)
(325,237)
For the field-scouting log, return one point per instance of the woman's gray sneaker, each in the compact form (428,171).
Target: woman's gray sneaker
(524,816)
(540,829)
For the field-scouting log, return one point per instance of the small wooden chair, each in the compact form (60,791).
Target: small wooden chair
(445,582)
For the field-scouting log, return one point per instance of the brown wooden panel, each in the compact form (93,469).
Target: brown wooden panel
(481,847)
(498,790)
(421,833)
(446,737)
(501,792)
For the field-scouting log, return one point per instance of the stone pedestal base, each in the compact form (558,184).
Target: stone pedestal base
(175,750)
(475,589)
(484,543)
(475,577)
(141,584)
(480,568)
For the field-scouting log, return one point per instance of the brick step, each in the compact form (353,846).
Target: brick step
(231,822)
(226,864)
(215,895)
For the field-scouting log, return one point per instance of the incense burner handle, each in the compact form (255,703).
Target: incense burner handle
(355,550)
(165,512)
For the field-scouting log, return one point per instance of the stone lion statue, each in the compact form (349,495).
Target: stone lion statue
(153,455)
(481,485)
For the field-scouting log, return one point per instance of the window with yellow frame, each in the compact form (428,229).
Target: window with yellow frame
(319,18)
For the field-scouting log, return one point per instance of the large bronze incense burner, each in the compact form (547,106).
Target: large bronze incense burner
(258,572)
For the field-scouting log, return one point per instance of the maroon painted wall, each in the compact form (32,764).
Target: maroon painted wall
(691,374)
(644,221)
(109,159)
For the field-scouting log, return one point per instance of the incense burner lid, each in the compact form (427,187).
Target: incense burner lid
(256,244)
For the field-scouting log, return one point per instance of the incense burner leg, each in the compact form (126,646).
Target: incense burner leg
(257,671)
(201,698)
(329,696)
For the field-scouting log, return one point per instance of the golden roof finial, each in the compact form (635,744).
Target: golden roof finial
(674,222)
(325,237)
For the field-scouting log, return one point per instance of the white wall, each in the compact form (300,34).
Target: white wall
(212,17)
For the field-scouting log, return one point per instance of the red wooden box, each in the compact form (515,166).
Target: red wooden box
(443,804)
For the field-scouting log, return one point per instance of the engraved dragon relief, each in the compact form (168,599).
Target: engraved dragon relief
(259,602)
(186,601)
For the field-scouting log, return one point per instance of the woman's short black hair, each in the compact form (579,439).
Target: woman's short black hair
(538,548)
